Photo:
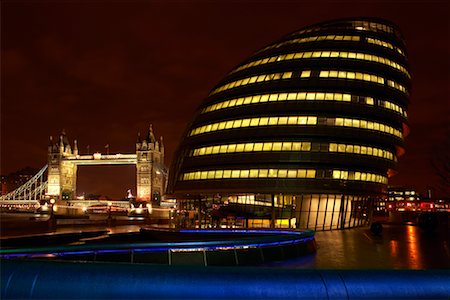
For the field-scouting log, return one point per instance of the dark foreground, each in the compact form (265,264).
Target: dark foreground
(403,262)
(397,247)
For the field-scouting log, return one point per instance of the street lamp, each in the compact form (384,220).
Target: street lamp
(52,202)
(52,216)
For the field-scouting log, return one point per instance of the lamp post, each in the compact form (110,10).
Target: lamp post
(52,202)
(52,216)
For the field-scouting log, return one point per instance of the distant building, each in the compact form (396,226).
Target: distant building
(304,133)
(14,180)
(402,198)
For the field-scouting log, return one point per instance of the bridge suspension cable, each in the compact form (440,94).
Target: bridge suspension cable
(32,190)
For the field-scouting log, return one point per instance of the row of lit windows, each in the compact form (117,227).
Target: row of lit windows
(360,25)
(361,176)
(251,122)
(277,97)
(384,44)
(250,173)
(314,96)
(354,38)
(352,75)
(347,122)
(280,173)
(259,78)
(253,147)
(306,74)
(362,76)
(393,106)
(364,150)
(296,120)
(325,54)
(397,86)
(292,146)
(365,25)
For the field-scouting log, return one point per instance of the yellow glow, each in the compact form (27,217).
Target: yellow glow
(272,121)
(372,26)
(369,125)
(251,173)
(301,120)
(355,76)
(281,173)
(353,38)
(253,79)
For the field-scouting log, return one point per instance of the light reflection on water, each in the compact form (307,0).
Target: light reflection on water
(398,247)
(414,254)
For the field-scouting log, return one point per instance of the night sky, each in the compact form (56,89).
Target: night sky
(104,71)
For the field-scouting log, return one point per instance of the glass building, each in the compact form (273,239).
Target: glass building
(303,134)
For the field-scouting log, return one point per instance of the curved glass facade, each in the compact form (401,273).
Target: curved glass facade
(302,134)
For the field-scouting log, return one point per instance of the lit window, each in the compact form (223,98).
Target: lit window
(306,74)
(215,149)
(253,173)
(267,147)
(282,120)
(276,146)
(282,173)
(301,173)
(306,146)
(248,147)
(263,173)
(210,175)
(336,174)
(311,173)
(286,146)
(292,173)
(258,147)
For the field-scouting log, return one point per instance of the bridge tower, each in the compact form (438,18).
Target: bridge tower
(151,174)
(62,174)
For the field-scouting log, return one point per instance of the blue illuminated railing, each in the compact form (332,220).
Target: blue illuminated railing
(235,240)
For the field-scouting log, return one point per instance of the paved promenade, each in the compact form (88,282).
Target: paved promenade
(398,247)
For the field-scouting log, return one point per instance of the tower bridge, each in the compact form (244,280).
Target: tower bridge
(60,182)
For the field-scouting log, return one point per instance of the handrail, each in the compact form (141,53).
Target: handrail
(23,279)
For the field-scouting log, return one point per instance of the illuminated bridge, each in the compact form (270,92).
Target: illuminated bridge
(57,179)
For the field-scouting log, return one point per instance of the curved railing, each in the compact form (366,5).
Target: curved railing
(175,247)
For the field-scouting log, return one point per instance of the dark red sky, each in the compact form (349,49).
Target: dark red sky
(105,70)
